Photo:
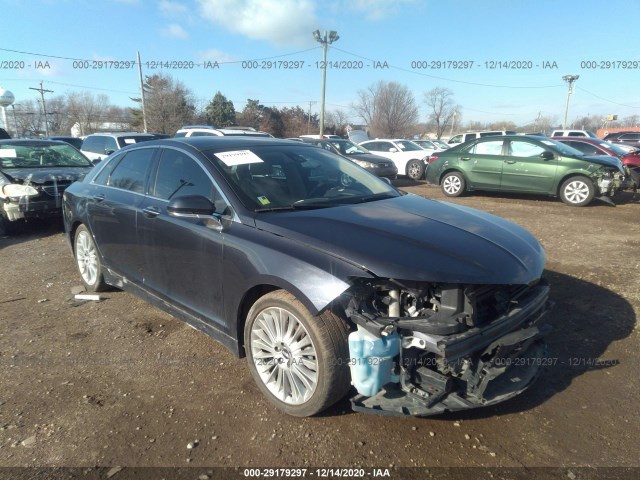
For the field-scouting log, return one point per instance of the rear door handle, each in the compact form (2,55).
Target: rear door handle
(99,197)
(465,158)
(151,212)
(510,162)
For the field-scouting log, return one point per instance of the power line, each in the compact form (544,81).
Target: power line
(449,79)
(606,100)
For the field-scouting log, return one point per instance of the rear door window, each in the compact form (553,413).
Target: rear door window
(132,171)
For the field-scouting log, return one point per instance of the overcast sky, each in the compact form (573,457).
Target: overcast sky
(503,59)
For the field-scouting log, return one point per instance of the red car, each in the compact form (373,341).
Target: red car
(595,146)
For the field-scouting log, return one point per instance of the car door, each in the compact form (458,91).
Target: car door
(481,163)
(182,256)
(118,192)
(527,168)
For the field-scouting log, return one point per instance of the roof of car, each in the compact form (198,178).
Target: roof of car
(122,134)
(224,143)
(31,142)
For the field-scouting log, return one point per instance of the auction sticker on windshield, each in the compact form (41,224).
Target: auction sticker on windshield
(238,157)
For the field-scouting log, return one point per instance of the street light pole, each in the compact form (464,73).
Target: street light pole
(325,41)
(569,79)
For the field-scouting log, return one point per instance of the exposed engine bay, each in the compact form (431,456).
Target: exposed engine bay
(426,348)
(609,181)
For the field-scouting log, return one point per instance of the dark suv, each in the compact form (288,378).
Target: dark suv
(624,138)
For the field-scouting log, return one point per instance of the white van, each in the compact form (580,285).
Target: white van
(465,137)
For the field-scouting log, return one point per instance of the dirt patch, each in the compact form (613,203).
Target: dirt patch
(118,382)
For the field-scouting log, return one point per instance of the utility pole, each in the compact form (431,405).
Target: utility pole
(453,122)
(144,113)
(325,41)
(569,79)
(44,107)
(309,122)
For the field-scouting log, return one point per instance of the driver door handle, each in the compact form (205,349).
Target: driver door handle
(510,162)
(98,198)
(151,212)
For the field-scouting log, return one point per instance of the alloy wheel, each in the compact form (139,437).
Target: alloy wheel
(87,258)
(284,355)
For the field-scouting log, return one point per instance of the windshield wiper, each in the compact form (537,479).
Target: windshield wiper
(373,197)
(304,204)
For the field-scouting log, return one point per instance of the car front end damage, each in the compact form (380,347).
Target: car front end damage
(609,181)
(426,348)
(39,195)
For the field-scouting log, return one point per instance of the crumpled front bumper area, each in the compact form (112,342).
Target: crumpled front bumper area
(479,367)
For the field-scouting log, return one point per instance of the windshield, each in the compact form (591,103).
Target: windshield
(130,140)
(408,146)
(563,148)
(294,177)
(348,148)
(36,155)
(426,144)
(613,147)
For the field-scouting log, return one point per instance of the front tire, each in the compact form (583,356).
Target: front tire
(415,169)
(453,184)
(299,361)
(577,191)
(88,260)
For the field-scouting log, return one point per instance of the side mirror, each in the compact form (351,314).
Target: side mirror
(192,206)
(108,151)
(393,150)
(547,155)
(96,161)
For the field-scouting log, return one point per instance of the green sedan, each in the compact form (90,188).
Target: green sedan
(526,164)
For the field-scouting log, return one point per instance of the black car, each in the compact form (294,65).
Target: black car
(75,141)
(33,175)
(322,274)
(376,164)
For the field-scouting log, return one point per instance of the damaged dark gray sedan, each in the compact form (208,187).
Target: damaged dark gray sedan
(326,277)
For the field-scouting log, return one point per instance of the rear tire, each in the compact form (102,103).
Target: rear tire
(453,184)
(415,169)
(299,361)
(577,191)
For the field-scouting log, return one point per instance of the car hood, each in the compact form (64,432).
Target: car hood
(412,238)
(368,157)
(49,174)
(606,160)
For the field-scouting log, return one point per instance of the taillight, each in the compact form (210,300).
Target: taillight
(433,158)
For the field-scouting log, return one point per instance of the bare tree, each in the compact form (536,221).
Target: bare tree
(87,110)
(442,108)
(337,122)
(27,118)
(168,105)
(389,109)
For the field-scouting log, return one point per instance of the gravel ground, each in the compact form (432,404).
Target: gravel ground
(120,383)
